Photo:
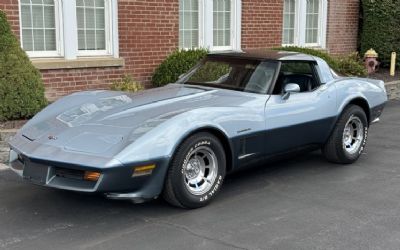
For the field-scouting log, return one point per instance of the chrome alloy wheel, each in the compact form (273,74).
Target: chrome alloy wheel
(200,171)
(353,135)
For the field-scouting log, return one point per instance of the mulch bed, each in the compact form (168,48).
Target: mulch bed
(384,75)
(12,124)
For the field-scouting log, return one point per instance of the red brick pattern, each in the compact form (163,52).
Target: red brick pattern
(262,23)
(148,32)
(343,19)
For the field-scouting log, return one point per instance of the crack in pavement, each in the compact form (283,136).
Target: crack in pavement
(15,240)
(190,231)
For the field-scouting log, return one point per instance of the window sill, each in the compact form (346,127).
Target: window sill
(60,63)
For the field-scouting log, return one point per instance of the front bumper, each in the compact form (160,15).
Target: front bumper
(116,182)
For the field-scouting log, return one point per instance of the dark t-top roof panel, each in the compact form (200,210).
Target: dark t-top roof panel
(265,55)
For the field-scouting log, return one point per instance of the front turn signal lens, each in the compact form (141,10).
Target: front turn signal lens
(143,170)
(91,176)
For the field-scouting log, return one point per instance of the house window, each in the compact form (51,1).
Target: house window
(304,23)
(91,25)
(222,23)
(188,24)
(39,29)
(289,16)
(312,21)
(69,29)
(214,24)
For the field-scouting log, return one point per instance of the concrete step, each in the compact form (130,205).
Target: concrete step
(7,134)
(4,157)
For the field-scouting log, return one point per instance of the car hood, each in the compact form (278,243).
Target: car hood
(96,121)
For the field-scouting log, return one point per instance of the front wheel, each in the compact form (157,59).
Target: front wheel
(349,136)
(196,172)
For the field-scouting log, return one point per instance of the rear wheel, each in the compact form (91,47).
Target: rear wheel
(349,136)
(196,172)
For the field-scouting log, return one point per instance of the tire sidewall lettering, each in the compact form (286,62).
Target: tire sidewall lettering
(218,181)
(213,191)
(364,143)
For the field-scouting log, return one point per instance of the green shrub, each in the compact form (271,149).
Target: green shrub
(179,62)
(21,87)
(350,65)
(127,83)
(380,28)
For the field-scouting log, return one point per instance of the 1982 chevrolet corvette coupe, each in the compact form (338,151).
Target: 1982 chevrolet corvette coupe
(179,141)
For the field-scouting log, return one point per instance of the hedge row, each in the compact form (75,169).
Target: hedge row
(381,28)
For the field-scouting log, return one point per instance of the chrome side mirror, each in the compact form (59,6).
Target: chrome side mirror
(289,89)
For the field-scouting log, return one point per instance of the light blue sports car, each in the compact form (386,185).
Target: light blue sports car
(230,111)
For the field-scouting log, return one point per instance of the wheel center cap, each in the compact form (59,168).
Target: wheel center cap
(193,169)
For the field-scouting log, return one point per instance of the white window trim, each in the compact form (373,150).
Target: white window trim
(206,39)
(67,33)
(300,25)
(59,34)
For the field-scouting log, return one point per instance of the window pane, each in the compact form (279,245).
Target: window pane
(26,17)
(90,40)
(222,23)
(37,16)
(80,16)
(90,18)
(27,41)
(289,16)
(81,40)
(99,3)
(49,17)
(91,24)
(188,23)
(100,19)
(312,21)
(50,35)
(38,38)
(38,25)
(101,40)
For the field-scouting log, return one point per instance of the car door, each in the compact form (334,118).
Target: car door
(302,118)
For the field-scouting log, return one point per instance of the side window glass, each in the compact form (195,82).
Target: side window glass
(301,73)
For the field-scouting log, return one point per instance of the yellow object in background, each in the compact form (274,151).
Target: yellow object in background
(393,64)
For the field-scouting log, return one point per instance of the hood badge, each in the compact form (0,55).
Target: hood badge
(52,137)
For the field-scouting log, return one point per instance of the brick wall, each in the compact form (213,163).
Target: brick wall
(342,31)
(261,23)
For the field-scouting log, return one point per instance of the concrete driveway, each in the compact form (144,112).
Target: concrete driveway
(302,203)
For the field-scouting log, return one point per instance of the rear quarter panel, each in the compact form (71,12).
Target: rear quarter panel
(349,89)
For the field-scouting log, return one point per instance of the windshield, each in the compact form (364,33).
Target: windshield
(236,74)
